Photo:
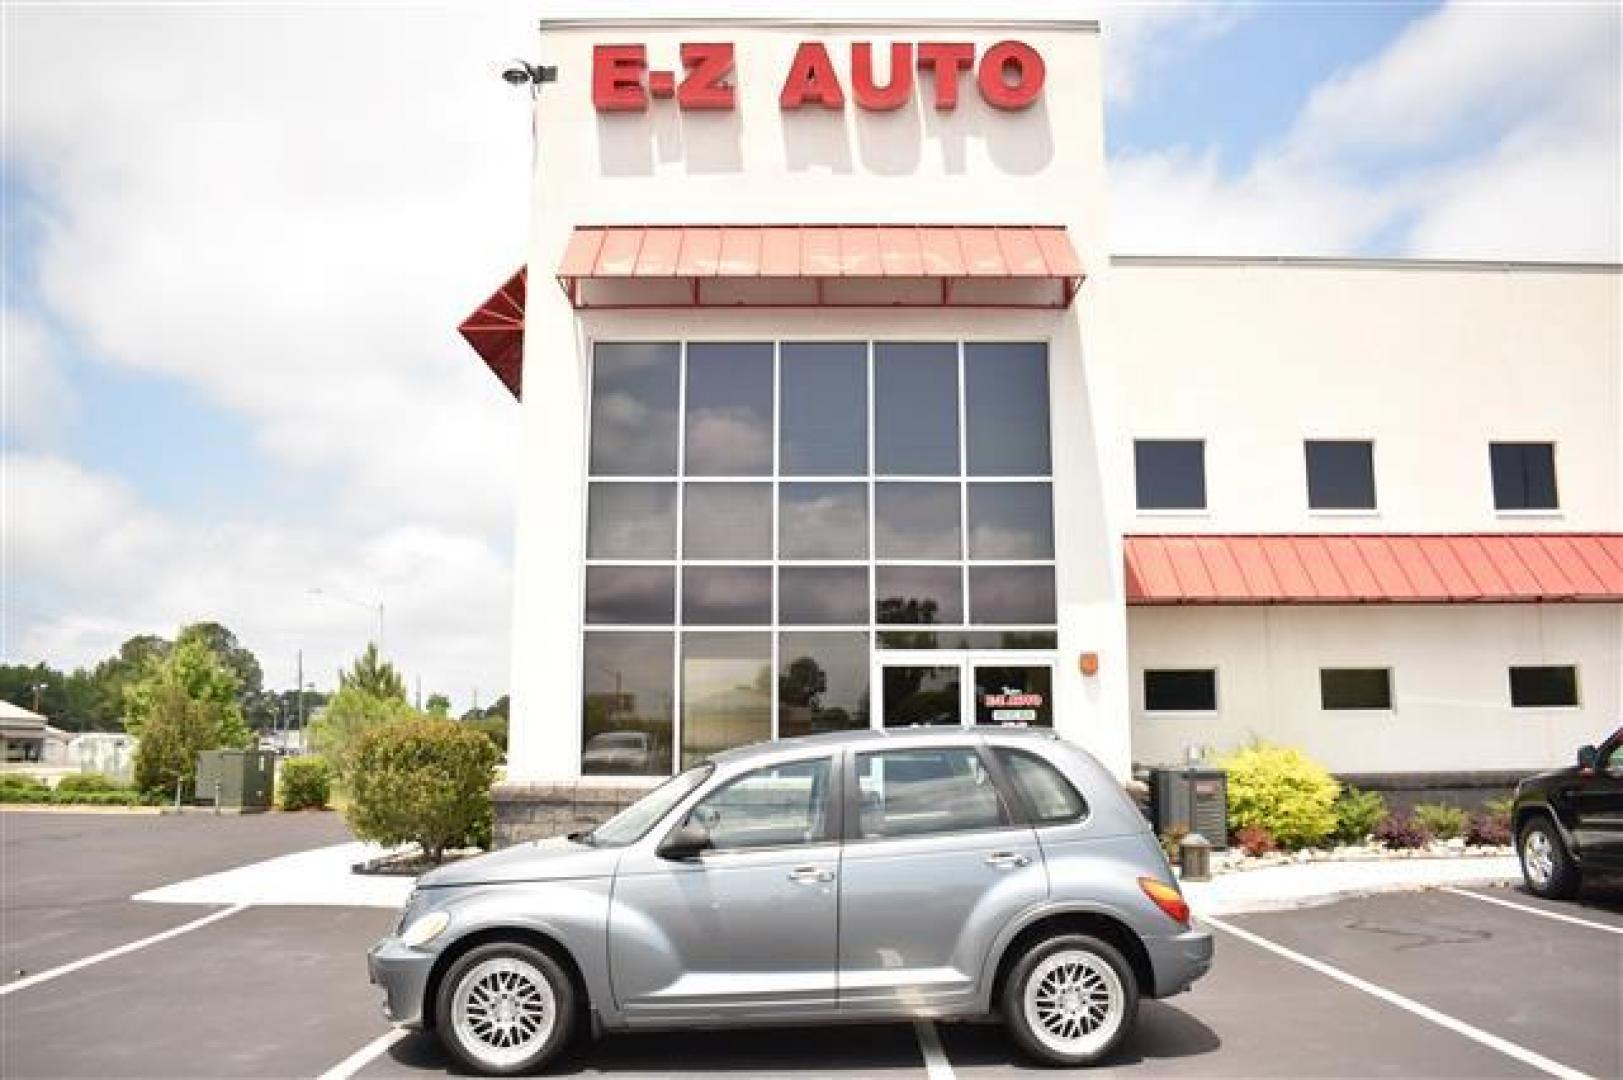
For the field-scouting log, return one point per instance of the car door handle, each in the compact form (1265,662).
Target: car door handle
(1007,860)
(811,875)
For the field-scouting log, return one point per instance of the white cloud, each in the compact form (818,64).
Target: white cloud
(37,405)
(1143,39)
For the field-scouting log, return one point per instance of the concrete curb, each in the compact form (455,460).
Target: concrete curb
(1299,885)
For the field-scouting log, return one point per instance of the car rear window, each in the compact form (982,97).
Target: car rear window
(1050,797)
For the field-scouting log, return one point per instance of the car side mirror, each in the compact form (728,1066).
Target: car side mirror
(1587,757)
(686,842)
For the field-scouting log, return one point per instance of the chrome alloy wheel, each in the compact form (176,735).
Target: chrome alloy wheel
(1538,857)
(1074,1002)
(504,1010)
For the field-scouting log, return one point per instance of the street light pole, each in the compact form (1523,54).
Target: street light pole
(378,607)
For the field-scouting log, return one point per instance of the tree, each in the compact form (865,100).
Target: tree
(438,705)
(185,704)
(258,709)
(348,715)
(371,674)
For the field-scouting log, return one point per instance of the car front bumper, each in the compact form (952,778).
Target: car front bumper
(1179,959)
(403,973)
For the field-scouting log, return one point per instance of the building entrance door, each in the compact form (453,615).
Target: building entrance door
(936,688)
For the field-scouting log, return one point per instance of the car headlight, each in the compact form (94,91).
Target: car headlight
(425,929)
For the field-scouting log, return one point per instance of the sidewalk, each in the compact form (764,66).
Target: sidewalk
(320,877)
(1294,885)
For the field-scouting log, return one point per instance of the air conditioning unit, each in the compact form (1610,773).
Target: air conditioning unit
(1194,799)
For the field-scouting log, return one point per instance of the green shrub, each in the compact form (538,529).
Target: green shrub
(86,783)
(304,783)
(1357,814)
(1442,821)
(1282,790)
(425,780)
(1170,841)
(12,783)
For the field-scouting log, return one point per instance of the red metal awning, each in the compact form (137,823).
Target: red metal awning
(1375,568)
(632,266)
(496,332)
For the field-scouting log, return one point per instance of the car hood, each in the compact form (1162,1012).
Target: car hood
(1544,779)
(558,859)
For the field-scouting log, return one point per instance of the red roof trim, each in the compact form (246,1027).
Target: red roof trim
(1375,568)
(496,332)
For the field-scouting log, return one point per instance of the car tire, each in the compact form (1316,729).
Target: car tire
(1070,1000)
(1547,866)
(505,1008)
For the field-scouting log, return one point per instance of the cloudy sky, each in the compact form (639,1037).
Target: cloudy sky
(238,238)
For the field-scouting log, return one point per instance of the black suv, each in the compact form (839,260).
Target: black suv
(1570,821)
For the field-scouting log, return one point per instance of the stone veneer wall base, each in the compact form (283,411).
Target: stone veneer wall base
(537,809)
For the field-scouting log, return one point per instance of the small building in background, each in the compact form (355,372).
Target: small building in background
(29,739)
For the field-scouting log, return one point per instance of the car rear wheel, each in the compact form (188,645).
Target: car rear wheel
(505,1009)
(1546,866)
(1070,1000)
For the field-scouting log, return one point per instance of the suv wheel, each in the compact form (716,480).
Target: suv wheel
(1070,1000)
(505,1008)
(1546,866)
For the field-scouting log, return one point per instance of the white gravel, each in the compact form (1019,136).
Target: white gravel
(1293,885)
(321,877)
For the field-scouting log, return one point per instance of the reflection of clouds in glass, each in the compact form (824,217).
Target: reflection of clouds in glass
(632,521)
(730,441)
(916,521)
(1011,521)
(823,521)
(1011,594)
(988,540)
(634,409)
(630,594)
(727,595)
(728,521)
(822,595)
(841,659)
(919,594)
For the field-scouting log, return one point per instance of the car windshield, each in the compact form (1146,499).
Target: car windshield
(633,823)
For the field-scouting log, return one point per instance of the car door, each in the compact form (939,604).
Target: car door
(747,927)
(1597,801)
(934,866)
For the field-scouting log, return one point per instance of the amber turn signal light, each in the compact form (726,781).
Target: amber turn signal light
(1167,898)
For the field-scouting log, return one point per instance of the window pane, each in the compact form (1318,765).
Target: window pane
(824,388)
(634,393)
(823,521)
(631,521)
(1180,691)
(727,595)
(916,409)
(626,716)
(726,692)
(1048,795)
(1544,687)
(630,595)
(1015,695)
(1170,474)
(1340,475)
(729,409)
(968,639)
(822,595)
(917,521)
(822,683)
(922,695)
(727,521)
(918,594)
(779,806)
(1006,404)
(1355,688)
(1011,594)
(1011,521)
(1523,476)
(924,792)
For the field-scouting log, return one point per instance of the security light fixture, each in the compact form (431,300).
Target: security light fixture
(523,73)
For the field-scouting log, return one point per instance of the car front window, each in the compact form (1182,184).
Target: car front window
(633,823)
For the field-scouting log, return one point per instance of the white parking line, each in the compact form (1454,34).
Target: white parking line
(1425,1012)
(363,1057)
(110,954)
(1558,916)
(936,1065)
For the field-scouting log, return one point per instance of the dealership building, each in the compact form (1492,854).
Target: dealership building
(838,411)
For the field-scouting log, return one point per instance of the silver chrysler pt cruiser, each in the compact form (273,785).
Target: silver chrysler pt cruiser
(870,875)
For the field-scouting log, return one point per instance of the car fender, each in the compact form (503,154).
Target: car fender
(1030,917)
(1543,806)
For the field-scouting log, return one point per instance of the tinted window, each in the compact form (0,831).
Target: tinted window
(822,682)
(824,388)
(822,595)
(823,521)
(778,806)
(918,594)
(1544,687)
(1180,691)
(727,521)
(636,595)
(916,694)
(727,595)
(634,391)
(1011,594)
(1355,688)
(1340,476)
(968,639)
(1049,797)
(925,792)
(1014,694)
(916,409)
(631,521)
(1523,476)
(1006,407)
(1011,521)
(917,521)
(729,409)
(1170,474)
(627,701)
(726,692)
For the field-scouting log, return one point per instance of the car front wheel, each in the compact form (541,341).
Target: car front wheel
(505,1009)
(1070,1000)
(1546,866)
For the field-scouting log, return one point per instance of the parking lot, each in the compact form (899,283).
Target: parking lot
(1466,983)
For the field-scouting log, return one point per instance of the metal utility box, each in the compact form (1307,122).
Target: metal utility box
(1195,799)
(244,779)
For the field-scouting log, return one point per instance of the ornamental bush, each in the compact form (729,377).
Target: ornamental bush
(425,780)
(88,783)
(1255,841)
(1282,790)
(1488,830)
(303,783)
(1357,814)
(1399,832)
(1442,821)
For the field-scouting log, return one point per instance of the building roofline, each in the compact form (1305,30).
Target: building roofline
(1334,262)
(975,14)
(617,22)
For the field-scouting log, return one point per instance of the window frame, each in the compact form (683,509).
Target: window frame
(1577,701)
(1013,811)
(1217,691)
(1391,705)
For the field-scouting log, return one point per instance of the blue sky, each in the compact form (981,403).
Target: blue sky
(179,452)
